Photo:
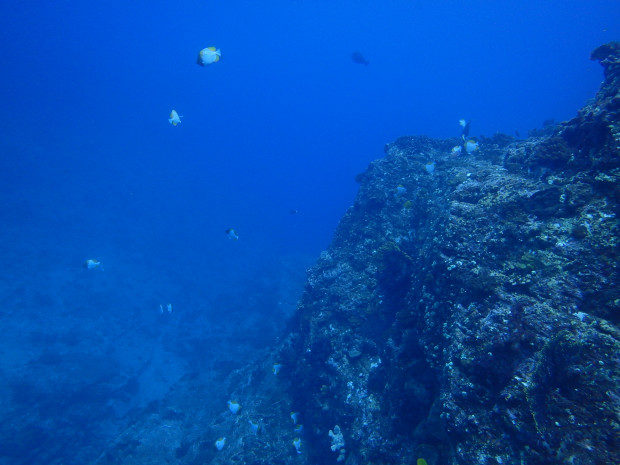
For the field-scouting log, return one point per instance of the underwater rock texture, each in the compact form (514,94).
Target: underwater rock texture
(473,317)
(469,316)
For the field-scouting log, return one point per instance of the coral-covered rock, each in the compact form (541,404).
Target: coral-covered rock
(471,315)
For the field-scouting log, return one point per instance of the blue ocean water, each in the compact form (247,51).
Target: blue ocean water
(271,139)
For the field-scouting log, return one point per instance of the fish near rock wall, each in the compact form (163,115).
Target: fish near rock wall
(469,313)
(466,312)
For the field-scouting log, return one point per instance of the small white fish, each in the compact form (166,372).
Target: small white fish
(93,265)
(294,417)
(471,145)
(234,406)
(276,368)
(208,56)
(168,308)
(430,167)
(220,443)
(456,150)
(254,426)
(232,234)
(174,118)
(297,444)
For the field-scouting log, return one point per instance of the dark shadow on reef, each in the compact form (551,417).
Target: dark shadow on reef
(469,318)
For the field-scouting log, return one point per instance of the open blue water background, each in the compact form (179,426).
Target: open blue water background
(90,168)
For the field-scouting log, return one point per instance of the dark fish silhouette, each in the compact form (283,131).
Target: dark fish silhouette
(465,133)
(357,57)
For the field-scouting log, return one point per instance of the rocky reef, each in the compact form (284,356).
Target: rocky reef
(471,314)
(466,312)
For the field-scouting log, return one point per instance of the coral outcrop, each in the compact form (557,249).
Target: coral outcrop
(474,318)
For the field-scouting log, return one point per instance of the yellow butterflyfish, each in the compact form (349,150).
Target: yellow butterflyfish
(208,56)
(174,118)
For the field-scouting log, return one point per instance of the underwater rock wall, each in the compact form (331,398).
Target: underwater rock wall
(467,310)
